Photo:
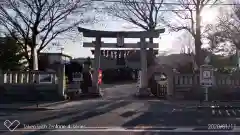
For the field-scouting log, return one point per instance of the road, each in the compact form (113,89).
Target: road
(118,113)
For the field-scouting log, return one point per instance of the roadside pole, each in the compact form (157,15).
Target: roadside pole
(206,76)
(206,93)
(36,91)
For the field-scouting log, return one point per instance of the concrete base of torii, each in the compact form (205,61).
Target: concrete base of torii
(143,92)
(95,91)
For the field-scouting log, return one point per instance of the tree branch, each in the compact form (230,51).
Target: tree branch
(34,19)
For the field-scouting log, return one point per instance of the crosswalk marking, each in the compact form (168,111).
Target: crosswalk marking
(233,111)
(213,112)
(227,113)
(219,112)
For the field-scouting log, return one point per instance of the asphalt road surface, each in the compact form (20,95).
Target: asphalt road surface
(119,113)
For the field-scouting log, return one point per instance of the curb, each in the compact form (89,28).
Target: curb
(26,109)
(208,105)
(81,97)
(41,106)
(53,103)
(90,96)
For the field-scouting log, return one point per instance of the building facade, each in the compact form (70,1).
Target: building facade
(50,60)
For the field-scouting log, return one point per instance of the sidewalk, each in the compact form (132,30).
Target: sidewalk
(182,103)
(31,106)
(47,105)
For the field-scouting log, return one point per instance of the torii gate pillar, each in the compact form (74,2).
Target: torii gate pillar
(143,90)
(95,88)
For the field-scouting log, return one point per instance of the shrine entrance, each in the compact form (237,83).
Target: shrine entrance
(122,64)
(121,59)
(113,64)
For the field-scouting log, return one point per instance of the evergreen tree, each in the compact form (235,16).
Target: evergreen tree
(11,55)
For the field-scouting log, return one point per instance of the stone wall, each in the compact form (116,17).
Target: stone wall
(29,92)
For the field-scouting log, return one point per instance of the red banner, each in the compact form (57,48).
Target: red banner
(99,76)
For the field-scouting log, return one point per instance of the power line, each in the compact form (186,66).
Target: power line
(166,3)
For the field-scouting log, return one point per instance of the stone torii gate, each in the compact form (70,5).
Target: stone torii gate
(120,35)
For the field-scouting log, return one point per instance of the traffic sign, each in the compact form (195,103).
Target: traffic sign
(206,75)
(120,41)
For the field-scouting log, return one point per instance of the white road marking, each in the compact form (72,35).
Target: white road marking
(234,113)
(108,105)
(213,112)
(228,113)
(219,111)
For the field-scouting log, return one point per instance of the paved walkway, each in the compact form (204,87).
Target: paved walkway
(110,92)
(120,92)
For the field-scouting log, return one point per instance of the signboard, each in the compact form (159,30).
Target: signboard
(120,41)
(45,78)
(77,77)
(206,75)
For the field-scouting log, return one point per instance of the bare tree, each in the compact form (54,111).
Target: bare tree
(185,40)
(145,14)
(36,23)
(228,28)
(218,47)
(226,34)
(189,13)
